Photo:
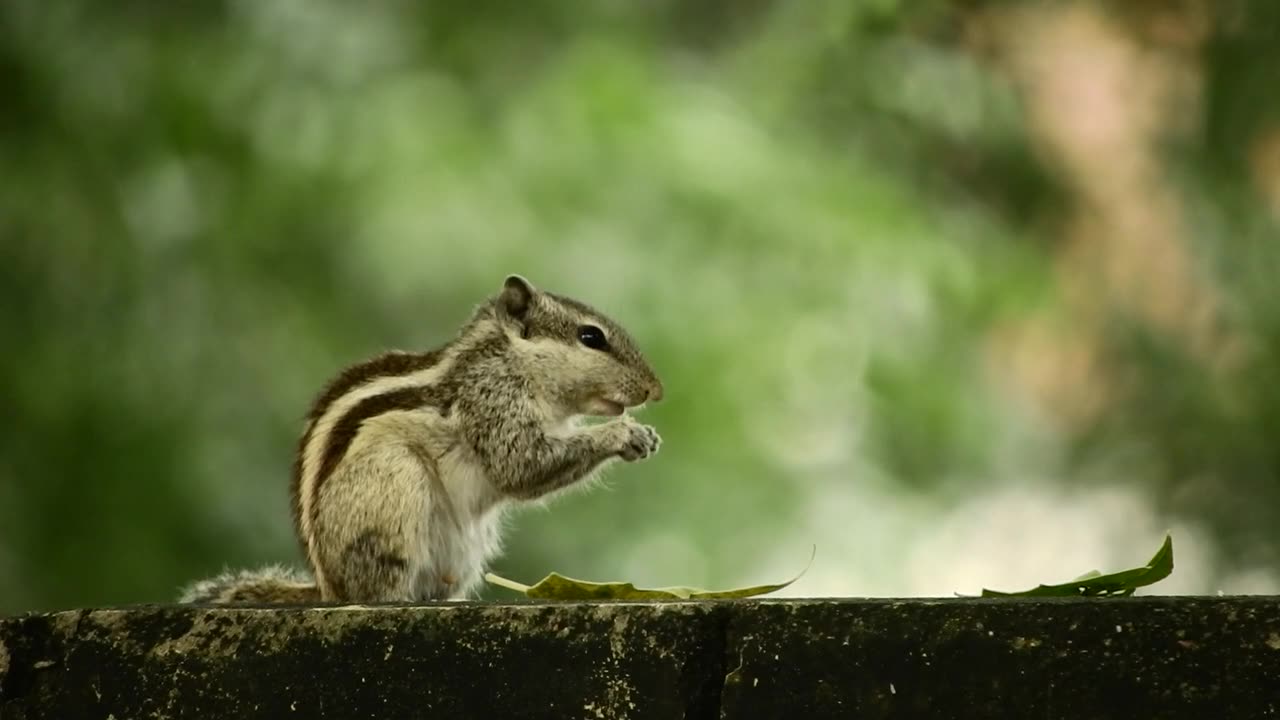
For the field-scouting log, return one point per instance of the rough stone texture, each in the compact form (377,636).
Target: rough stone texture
(1202,658)
(1152,657)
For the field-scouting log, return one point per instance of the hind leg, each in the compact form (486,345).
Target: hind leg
(372,568)
(371,514)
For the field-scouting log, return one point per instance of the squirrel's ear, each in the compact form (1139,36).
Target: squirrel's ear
(516,297)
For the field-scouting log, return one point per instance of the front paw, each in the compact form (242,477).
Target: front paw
(640,441)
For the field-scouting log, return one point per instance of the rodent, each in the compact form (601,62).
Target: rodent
(408,460)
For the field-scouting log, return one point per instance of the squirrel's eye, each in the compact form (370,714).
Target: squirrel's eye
(592,337)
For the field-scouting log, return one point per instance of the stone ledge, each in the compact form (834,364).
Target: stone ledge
(1145,657)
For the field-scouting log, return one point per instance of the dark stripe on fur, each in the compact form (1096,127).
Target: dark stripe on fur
(344,431)
(440,395)
(564,328)
(389,364)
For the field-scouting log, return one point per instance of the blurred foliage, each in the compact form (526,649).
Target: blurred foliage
(867,243)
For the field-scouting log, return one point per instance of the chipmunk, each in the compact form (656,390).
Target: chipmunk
(408,460)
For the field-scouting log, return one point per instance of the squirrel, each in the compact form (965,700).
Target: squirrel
(407,461)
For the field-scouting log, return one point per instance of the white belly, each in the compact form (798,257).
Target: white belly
(462,532)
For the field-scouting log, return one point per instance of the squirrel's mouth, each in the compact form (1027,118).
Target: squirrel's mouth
(603,406)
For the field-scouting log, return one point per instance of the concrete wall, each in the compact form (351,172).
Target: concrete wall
(1134,658)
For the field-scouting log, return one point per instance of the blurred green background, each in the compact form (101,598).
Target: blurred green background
(966,294)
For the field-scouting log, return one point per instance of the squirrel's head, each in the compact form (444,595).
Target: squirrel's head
(585,361)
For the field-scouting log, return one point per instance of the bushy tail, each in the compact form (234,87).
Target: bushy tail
(270,585)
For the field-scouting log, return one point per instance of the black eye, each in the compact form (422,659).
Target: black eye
(592,337)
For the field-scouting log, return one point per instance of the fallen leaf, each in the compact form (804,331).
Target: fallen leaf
(1094,584)
(558,587)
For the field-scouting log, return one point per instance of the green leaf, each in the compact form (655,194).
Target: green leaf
(558,587)
(1094,584)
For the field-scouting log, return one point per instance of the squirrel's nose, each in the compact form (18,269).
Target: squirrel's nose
(655,392)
